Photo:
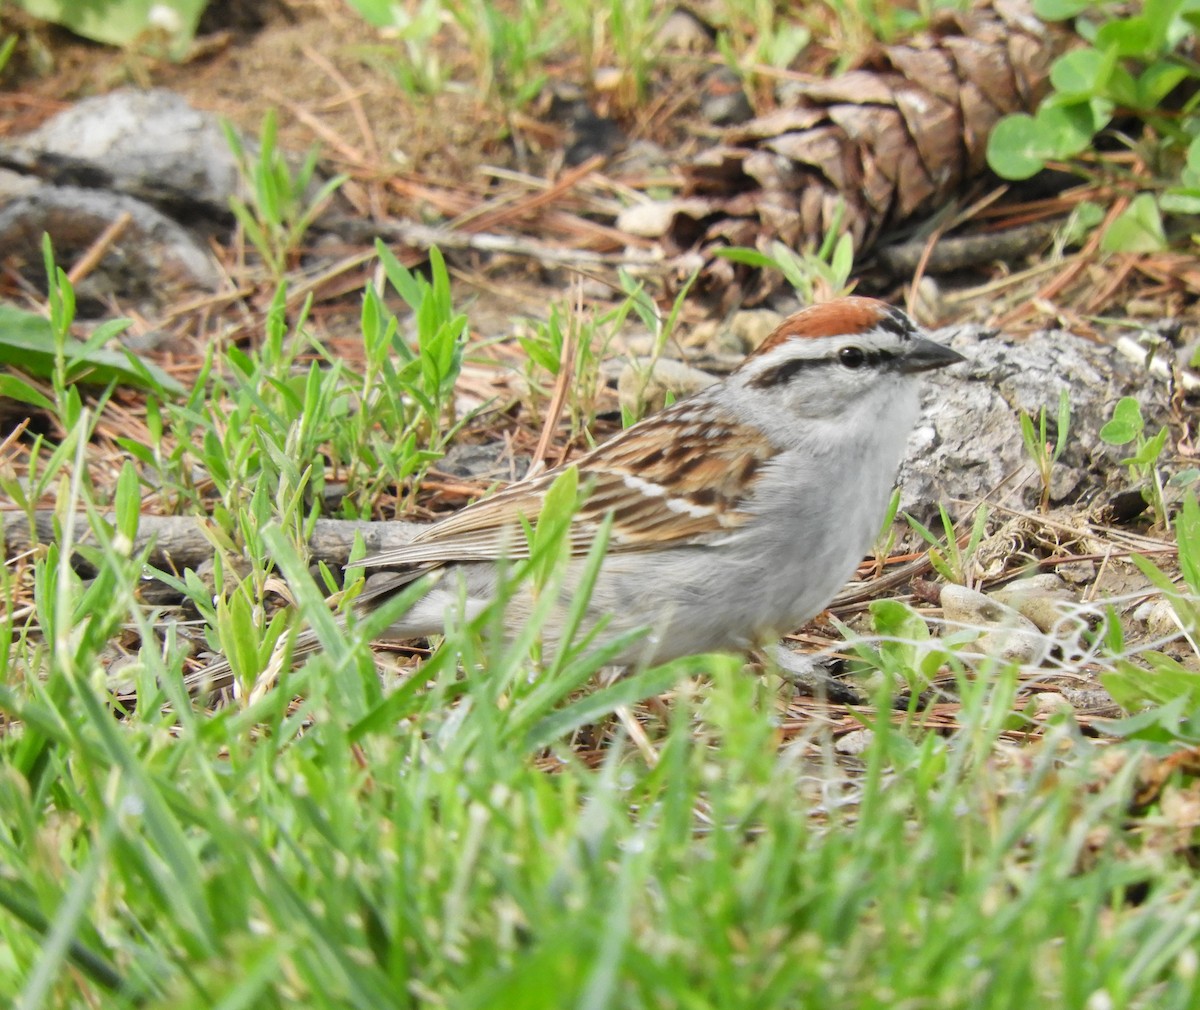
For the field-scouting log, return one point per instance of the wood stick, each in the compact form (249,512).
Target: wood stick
(178,542)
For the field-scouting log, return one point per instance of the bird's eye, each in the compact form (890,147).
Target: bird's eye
(852,357)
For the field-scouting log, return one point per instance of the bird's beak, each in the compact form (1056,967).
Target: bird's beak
(924,355)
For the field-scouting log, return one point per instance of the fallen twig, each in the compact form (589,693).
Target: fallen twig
(178,542)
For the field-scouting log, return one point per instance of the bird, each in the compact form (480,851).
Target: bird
(733,516)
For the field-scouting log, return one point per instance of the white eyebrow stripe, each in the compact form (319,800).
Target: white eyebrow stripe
(675,504)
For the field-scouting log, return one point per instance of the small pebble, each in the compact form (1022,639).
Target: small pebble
(1006,635)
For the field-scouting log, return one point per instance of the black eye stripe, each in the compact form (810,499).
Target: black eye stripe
(868,359)
(786,370)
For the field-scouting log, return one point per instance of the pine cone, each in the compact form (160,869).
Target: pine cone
(893,139)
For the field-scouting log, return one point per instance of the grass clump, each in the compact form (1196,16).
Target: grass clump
(415,848)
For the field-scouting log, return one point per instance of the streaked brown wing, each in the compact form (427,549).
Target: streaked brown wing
(710,466)
(483,531)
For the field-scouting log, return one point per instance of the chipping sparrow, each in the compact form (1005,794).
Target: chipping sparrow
(737,513)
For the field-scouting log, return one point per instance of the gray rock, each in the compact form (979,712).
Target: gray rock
(968,445)
(149,263)
(151,144)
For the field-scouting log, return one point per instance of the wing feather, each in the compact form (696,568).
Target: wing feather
(689,484)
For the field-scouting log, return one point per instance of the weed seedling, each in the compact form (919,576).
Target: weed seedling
(950,560)
(816,275)
(1163,692)
(1125,426)
(278,210)
(1043,453)
(661,328)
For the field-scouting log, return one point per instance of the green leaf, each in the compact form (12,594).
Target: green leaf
(540,353)
(17,389)
(1148,454)
(894,619)
(1019,147)
(1156,82)
(7,48)
(789,41)
(1184,478)
(1070,124)
(1190,176)
(1033,444)
(1084,219)
(27,342)
(640,299)
(553,521)
(127,503)
(1155,575)
(1193,156)
(897,647)
(1133,687)
(596,704)
(408,285)
(1166,724)
(790,264)
(1135,36)
(1187,535)
(1126,423)
(889,517)
(842,261)
(1180,201)
(749,257)
(937,559)
(380,13)
(923,531)
(1082,72)
(123,24)
(1060,10)
(138,451)
(1138,229)
(1063,429)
